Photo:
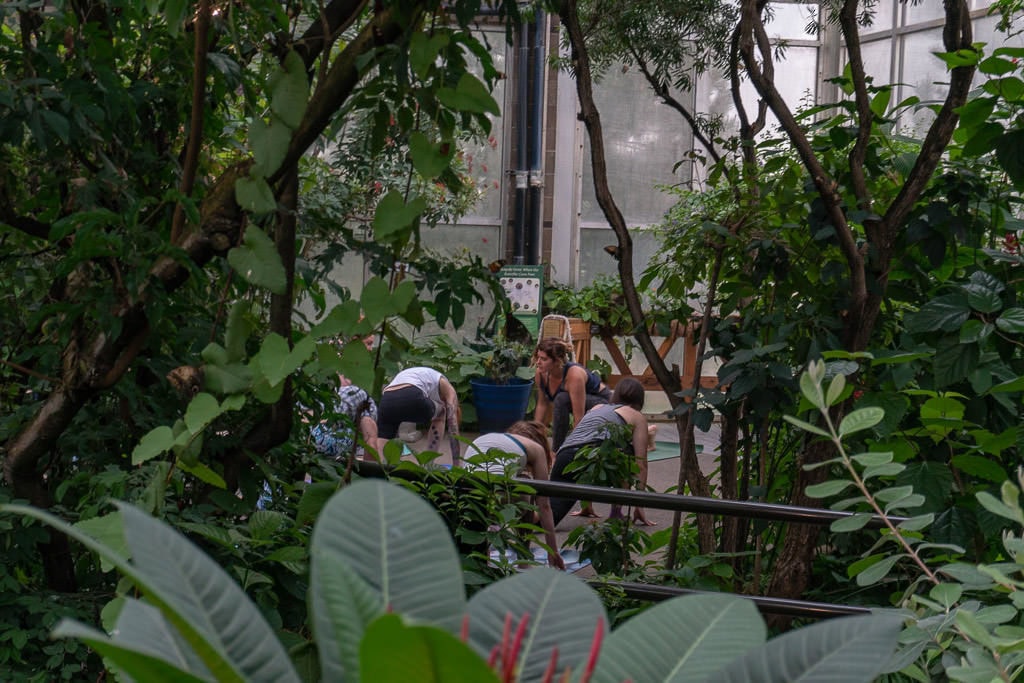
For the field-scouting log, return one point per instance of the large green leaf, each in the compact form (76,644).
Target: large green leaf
(848,649)
(563,613)
(130,660)
(953,361)
(399,545)
(946,313)
(205,600)
(393,219)
(155,442)
(269,145)
(430,159)
(683,639)
(108,530)
(342,606)
(254,194)
(277,361)
(202,410)
(1010,153)
(289,90)
(211,612)
(428,655)
(258,262)
(142,627)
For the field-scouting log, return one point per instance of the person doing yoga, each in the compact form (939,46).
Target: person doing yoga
(625,409)
(522,450)
(564,388)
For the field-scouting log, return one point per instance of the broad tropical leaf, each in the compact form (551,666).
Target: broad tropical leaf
(399,545)
(683,639)
(342,606)
(563,612)
(428,655)
(848,649)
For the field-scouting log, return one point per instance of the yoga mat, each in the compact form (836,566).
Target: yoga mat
(570,556)
(663,450)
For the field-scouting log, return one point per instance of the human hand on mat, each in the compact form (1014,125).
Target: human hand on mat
(555,560)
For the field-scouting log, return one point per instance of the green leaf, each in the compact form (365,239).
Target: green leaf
(975,331)
(210,611)
(430,159)
(962,57)
(156,442)
(289,91)
(214,354)
(375,300)
(314,498)
(983,299)
(563,614)
(269,144)
(917,523)
(342,606)
(998,507)
(979,466)
(470,95)
(254,194)
(806,426)
(428,655)
(128,660)
(203,473)
(861,419)
(357,364)
(683,639)
(237,331)
(1011,321)
(973,629)
(954,361)
(258,262)
(275,360)
(263,524)
(854,522)
(810,387)
(848,649)
(393,220)
(827,488)
(423,51)
(233,378)
(873,458)
(1010,154)
(877,571)
(202,410)
(835,389)
(943,313)
(108,530)
(174,14)
(946,594)
(398,544)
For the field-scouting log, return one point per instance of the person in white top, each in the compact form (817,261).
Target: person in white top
(522,449)
(421,395)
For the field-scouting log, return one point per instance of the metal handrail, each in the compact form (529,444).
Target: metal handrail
(666,501)
(780,606)
(683,503)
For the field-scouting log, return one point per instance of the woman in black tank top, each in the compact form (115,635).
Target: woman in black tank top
(563,388)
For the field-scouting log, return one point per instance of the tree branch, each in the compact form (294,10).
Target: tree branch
(661,89)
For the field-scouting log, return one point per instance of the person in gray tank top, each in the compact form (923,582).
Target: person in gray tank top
(625,409)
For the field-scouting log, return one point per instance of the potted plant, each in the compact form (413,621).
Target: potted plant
(501,390)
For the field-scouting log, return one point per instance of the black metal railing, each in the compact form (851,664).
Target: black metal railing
(682,503)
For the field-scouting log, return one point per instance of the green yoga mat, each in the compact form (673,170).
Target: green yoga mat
(663,450)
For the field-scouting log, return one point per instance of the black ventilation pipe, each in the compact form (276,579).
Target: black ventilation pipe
(521,174)
(536,148)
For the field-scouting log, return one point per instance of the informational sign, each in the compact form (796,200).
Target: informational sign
(525,288)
